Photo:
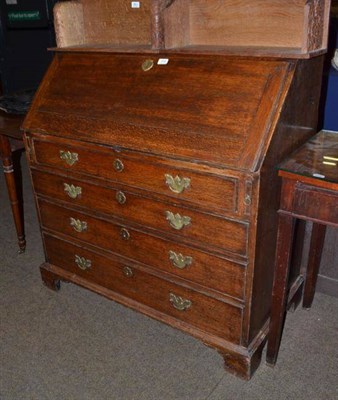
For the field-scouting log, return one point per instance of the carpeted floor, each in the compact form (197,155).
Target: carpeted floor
(75,345)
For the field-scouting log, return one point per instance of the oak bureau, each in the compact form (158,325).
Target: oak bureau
(152,145)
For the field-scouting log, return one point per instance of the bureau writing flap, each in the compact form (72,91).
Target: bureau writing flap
(219,110)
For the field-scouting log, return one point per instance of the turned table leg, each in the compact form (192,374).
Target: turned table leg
(280,285)
(315,254)
(6,155)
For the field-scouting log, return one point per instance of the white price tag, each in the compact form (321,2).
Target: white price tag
(135,4)
(11,1)
(318,176)
(163,61)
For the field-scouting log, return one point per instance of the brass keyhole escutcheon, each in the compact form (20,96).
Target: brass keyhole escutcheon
(128,272)
(247,200)
(121,197)
(118,165)
(125,235)
(147,65)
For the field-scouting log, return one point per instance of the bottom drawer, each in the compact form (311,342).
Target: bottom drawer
(204,312)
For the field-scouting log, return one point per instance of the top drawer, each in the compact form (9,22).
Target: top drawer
(162,176)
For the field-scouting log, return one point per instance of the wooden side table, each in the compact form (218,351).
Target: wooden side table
(309,192)
(10,142)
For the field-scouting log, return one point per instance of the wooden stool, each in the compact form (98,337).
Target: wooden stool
(309,192)
(11,143)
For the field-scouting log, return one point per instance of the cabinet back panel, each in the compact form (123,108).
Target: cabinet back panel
(239,23)
(107,21)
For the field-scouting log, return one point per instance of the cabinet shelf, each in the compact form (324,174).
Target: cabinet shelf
(238,51)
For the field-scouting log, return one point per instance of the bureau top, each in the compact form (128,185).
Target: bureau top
(218,110)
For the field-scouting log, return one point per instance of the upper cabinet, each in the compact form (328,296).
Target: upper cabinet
(280,28)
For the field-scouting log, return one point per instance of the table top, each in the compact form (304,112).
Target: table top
(10,125)
(317,158)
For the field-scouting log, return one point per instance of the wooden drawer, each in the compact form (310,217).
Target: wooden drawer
(213,272)
(214,192)
(201,311)
(316,203)
(176,221)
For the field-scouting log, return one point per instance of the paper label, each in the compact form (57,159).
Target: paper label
(24,16)
(163,61)
(135,4)
(11,1)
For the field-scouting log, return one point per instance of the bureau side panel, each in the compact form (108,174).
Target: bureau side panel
(298,122)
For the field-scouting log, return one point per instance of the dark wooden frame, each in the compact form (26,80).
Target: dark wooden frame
(308,199)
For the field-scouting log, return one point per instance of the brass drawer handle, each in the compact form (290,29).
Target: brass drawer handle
(177,184)
(147,65)
(121,197)
(179,261)
(77,225)
(177,221)
(72,191)
(82,263)
(118,165)
(125,235)
(128,272)
(68,157)
(179,303)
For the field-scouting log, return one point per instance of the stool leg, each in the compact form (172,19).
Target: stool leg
(6,155)
(280,285)
(315,254)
